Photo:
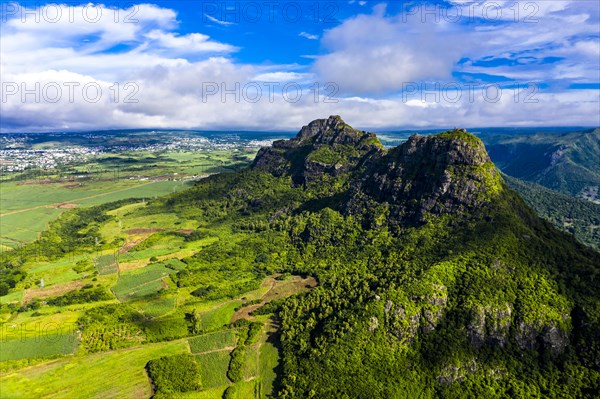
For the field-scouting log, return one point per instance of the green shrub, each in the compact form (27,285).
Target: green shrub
(171,374)
(86,294)
(230,392)
(236,364)
(253,333)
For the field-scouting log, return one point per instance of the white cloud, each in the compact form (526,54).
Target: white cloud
(218,21)
(282,77)
(388,51)
(191,43)
(308,36)
(368,56)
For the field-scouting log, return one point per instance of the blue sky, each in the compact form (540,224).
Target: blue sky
(273,65)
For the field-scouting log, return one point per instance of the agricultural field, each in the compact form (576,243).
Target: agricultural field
(213,341)
(32,199)
(62,378)
(111,279)
(44,346)
(143,285)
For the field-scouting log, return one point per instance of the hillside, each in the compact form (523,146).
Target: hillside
(573,215)
(410,272)
(440,282)
(566,162)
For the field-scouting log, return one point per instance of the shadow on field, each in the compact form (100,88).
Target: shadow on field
(274,338)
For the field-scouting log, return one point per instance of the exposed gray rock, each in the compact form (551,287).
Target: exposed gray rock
(295,157)
(456,373)
(498,322)
(526,336)
(476,327)
(554,339)
(373,324)
(490,325)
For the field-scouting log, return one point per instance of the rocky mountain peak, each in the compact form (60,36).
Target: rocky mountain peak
(329,131)
(450,172)
(324,146)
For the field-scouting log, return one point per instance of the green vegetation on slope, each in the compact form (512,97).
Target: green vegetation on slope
(475,297)
(573,215)
(567,163)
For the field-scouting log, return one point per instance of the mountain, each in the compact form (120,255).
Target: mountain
(436,279)
(323,147)
(567,162)
(427,176)
(419,273)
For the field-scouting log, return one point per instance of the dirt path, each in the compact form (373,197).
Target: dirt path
(65,203)
(279,289)
(223,349)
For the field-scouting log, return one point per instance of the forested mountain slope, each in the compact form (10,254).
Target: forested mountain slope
(436,280)
(573,215)
(568,162)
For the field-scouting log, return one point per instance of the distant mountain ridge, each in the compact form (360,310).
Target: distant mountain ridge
(568,162)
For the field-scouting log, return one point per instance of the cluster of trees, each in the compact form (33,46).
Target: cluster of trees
(174,374)
(86,294)
(248,336)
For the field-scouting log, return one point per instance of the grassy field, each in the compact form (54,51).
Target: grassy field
(106,264)
(116,374)
(141,282)
(220,316)
(213,341)
(156,307)
(27,206)
(23,217)
(135,257)
(268,362)
(213,368)
(38,346)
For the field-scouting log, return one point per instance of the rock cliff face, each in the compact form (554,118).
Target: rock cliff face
(325,146)
(427,175)
(433,175)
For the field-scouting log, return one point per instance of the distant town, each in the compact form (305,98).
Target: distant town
(23,151)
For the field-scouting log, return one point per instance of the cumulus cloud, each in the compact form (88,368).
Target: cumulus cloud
(151,76)
(429,43)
